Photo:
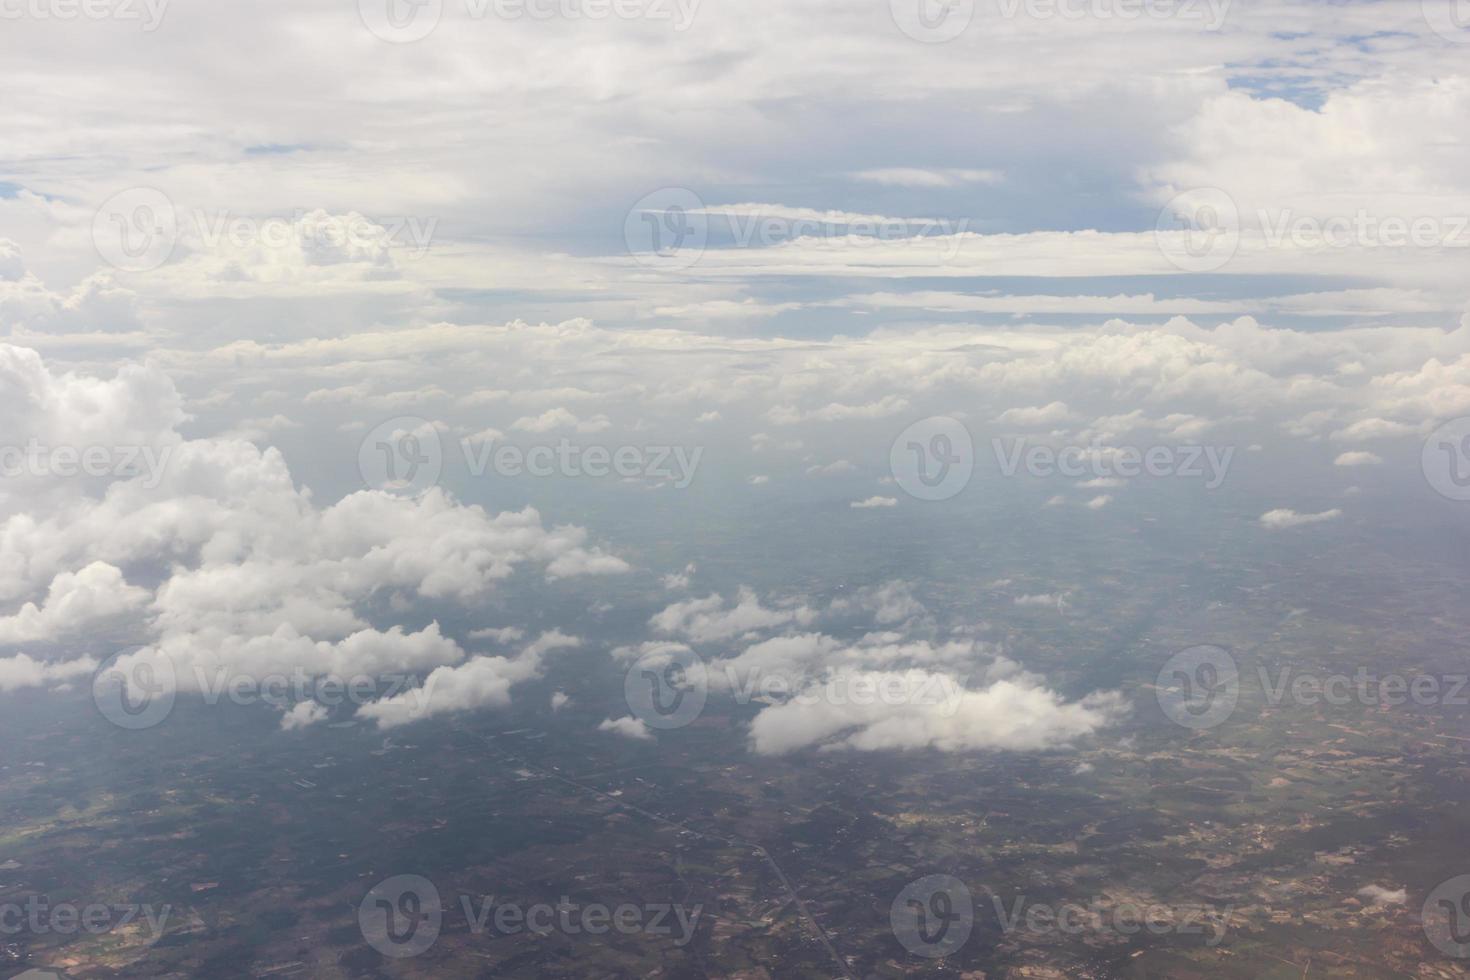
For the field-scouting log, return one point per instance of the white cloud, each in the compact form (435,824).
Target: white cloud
(22,671)
(1285,517)
(921,711)
(712,619)
(872,503)
(476,683)
(76,604)
(627,727)
(1379,895)
(560,418)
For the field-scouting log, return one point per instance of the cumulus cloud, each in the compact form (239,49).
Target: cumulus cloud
(1358,458)
(1285,517)
(1379,895)
(874,503)
(22,671)
(886,710)
(627,727)
(477,683)
(255,578)
(76,603)
(713,619)
(560,418)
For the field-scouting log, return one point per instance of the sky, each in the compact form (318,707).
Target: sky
(282,284)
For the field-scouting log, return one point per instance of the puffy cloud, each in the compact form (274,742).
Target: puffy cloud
(1358,457)
(22,671)
(1284,517)
(627,727)
(479,682)
(303,714)
(76,603)
(874,503)
(1379,895)
(1054,413)
(255,578)
(560,418)
(711,619)
(916,709)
